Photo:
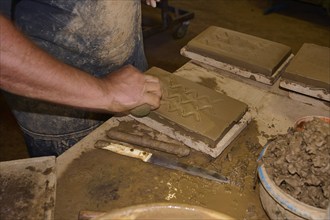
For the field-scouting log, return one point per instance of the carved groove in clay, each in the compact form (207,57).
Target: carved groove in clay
(195,110)
(187,102)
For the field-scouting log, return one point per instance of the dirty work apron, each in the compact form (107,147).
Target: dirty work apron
(97,36)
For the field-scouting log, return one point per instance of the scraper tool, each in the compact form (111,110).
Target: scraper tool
(141,111)
(160,161)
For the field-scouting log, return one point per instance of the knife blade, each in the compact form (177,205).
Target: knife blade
(149,157)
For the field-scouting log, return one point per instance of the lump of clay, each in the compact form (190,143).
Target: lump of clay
(298,162)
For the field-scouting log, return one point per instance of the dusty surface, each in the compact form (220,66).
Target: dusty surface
(115,37)
(195,110)
(27,189)
(242,50)
(99,180)
(310,66)
(298,162)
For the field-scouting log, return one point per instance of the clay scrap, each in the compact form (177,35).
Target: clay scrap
(195,115)
(245,51)
(298,162)
(309,68)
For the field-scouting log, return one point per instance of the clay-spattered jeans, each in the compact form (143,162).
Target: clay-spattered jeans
(85,34)
(48,144)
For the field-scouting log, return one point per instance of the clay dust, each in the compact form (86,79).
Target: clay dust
(100,180)
(298,162)
(95,29)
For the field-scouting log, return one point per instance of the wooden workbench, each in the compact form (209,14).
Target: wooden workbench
(92,179)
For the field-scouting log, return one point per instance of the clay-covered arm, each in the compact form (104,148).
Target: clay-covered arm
(29,71)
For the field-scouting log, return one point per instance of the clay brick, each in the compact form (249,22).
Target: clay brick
(241,50)
(311,66)
(195,110)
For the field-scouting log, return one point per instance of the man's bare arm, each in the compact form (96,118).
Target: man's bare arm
(29,71)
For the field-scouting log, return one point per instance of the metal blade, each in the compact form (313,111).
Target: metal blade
(193,170)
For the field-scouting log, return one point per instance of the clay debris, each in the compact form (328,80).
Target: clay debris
(298,162)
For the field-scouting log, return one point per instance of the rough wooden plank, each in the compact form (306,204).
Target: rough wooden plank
(305,89)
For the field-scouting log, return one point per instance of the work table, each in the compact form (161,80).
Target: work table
(96,180)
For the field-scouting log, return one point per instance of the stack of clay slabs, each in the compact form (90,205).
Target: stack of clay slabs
(197,116)
(309,72)
(238,53)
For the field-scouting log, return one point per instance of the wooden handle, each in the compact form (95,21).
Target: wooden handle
(89,215)
(144,141)
(123,150)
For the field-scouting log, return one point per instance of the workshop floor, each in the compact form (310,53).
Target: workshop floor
(293,25)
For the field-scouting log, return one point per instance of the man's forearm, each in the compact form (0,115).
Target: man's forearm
(29,71)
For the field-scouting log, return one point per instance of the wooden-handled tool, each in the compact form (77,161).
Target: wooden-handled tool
(145,141)
(159,160)
(89,215)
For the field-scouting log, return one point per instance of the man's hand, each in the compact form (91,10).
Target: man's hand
(128,88)
(153,3)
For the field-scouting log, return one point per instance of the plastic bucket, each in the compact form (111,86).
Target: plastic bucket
(277,203)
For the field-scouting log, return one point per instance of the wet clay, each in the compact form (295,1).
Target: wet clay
(100,180)
(311,67)
(195,110)
(298,162)
(242,50)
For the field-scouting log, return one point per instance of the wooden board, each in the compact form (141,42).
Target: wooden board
(269,80)
(304,89)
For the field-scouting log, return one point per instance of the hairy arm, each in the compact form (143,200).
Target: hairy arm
(29,71)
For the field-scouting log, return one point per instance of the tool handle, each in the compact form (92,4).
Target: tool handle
(123,150)
(89,215)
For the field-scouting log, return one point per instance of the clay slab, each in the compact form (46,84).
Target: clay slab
(195,110)
(242,50)
(311,66)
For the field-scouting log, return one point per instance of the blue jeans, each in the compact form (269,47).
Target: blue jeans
(47,145)
(81,34)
